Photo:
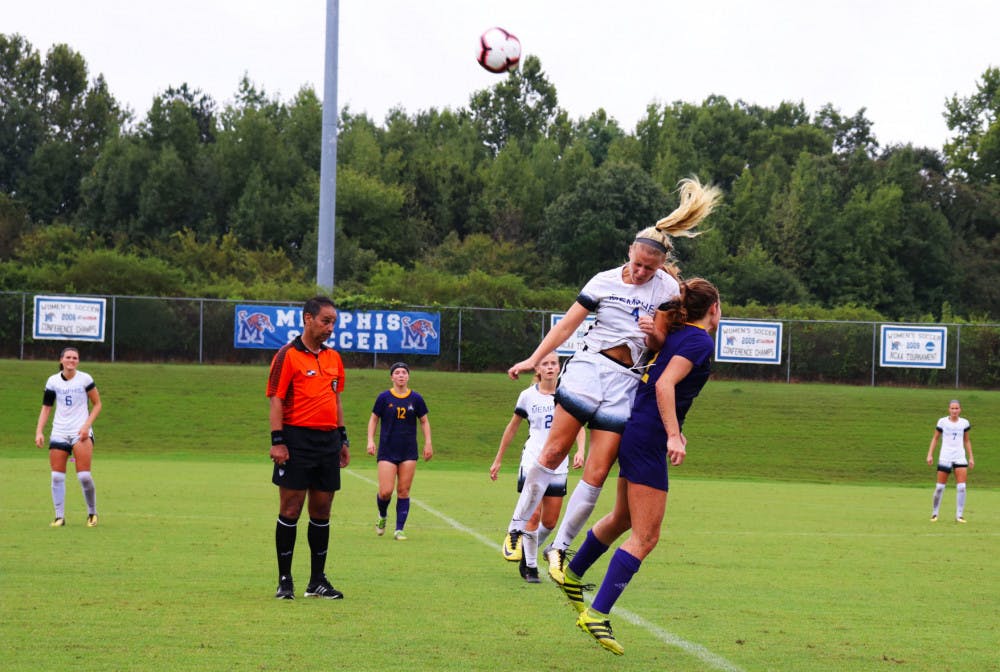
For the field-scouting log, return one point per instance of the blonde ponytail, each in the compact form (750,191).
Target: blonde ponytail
(697,203)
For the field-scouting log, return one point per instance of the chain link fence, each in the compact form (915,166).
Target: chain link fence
(156,329)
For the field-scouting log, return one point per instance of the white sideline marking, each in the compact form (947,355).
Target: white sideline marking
(714,661)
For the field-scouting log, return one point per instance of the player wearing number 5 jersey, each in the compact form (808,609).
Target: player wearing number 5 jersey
(537,405)
(597,384)
(74,396)
(955,455)
(398,409)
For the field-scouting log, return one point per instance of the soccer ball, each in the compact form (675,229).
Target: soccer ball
(499,51)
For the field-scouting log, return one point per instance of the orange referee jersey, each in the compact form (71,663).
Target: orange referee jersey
(307,384)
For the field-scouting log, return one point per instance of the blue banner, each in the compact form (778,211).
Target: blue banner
(375,331)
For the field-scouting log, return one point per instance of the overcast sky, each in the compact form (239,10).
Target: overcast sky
(899,59)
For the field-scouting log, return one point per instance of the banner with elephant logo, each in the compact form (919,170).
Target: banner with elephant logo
(375,331)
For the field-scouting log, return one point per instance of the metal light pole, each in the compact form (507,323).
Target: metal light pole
(328,157)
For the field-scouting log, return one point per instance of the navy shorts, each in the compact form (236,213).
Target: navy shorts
(642,457)
(313,460)
(397,455)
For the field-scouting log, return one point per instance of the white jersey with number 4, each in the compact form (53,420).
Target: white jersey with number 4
(537,408)
(953,440)
(619,305)
(71,409)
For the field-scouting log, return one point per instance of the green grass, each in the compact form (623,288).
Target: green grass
(796,538)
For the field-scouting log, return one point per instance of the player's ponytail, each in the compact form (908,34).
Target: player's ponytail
(696,203)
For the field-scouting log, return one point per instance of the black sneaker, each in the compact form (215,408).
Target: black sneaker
(322,588)
(286,589)
(531,575)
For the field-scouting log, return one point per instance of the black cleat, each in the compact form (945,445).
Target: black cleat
(322,588)
(286,589)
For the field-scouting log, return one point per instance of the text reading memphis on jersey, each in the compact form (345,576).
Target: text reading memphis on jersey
(270,327)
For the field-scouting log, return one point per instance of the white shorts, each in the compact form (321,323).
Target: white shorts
(597,391)
(954,457)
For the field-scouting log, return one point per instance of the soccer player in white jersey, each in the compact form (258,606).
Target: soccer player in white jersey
(537,404)
(597,384)
(955,455)
(69,391)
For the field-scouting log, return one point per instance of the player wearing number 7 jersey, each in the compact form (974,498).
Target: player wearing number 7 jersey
(955,455)
(597,384)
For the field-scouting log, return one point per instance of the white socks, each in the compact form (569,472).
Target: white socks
(581,505)
(542,533)
(536,480)
(960,500)
(529,547)
(59,493)
(89,494)
(938,494)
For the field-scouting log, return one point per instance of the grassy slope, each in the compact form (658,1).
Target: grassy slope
(737,430)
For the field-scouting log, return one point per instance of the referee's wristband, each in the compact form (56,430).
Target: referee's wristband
(343,436)
(277,438)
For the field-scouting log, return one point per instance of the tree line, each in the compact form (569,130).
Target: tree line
(504,202)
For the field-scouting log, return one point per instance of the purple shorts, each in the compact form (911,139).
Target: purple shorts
(642,456)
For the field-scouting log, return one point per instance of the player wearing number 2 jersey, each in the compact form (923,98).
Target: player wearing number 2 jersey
(597,384)
(537,405)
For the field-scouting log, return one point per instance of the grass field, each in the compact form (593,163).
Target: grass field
(796,539)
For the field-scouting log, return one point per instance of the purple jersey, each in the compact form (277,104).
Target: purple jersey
(642,455)
(691,343)
(397,436)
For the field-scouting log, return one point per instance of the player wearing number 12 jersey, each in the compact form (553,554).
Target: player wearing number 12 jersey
(398,409)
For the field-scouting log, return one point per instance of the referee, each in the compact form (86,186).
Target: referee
(308,442)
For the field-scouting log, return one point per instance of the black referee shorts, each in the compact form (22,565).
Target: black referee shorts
(313,460)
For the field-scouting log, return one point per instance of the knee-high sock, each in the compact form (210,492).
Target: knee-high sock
(529,548)
(284,543)
(89,493)
(536,480)
(543,534)
(319,542)
(590,550)
(402,511)
(960,500)
(938,494)
(59,493)
(383,506)
(581,505)
(621,569)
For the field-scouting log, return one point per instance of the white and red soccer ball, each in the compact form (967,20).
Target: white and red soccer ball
(499,50)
